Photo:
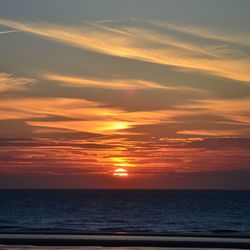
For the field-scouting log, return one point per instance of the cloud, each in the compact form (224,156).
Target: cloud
(80,115)
(108,121)
(197,117)
(234,110)
(142,41)
(212,132)
(101,127)
(10,82)
(118,84)
(180,157)
(129,84)
(220,143)
(7,31)
(23,108)
(211,34)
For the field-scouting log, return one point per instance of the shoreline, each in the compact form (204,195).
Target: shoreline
(123,240)
(238,235)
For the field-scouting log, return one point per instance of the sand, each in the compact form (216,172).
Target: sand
(115,242)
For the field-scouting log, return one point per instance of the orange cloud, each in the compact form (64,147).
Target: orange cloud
(236,110)
(212,132)
(108,121)
(81,115)
(130,40)
(101,127)
(118,84)
(21,108)
(129,84)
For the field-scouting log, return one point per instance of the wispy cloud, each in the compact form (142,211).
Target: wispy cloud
(120,84)
(109,121)
(212,132)
(157,157)
(23,108)
(10,82)
(8,31)
(225,117)
(235,110)
(212,34)
(140,41)
(129,84)
(80,115)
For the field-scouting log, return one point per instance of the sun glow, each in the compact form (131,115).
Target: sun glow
(121,162)
(120,172)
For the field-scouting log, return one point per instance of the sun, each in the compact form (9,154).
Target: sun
(120,172)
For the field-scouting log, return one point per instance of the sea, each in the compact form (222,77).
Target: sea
(126,211)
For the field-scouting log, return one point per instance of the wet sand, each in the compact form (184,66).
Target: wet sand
(5,247)
(115,242)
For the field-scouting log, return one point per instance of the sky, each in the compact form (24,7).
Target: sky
(125,94)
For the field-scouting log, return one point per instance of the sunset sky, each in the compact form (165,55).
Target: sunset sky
(160,89)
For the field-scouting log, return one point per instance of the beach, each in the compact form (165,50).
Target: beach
(114,241)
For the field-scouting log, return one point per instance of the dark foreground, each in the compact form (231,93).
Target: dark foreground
(21,240)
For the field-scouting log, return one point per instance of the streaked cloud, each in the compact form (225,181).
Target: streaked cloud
(7,31)
(136,40)
(108,121)
(224,117)
(151,157)
(129,84)
(10,82)
(101,127)
(120,84)
(23,108)
(216,133)
(80,115)
(212,34)
(235,110)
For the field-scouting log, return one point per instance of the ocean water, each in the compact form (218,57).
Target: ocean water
(146,211)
